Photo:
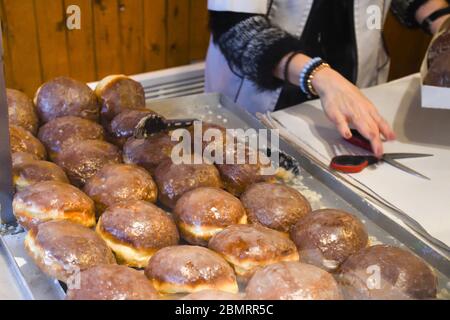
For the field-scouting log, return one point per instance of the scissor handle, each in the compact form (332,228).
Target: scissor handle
(359,140)
(352,164)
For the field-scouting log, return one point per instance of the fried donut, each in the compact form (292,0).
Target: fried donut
(22,140)
(385,272)
(84,159)
(64,96)
(120,182)
(292,281)
(135,230)
(112,282)
(275,206)
(174,180)
(187,269)
(212,295)
(149,152)
(62,248)
(21,111)
(439,72)
(117,93)
(59,132)
(203,212)
(326,238)
(122,126)
(242,173)
(53,200)
(21,157)
(30,172)
(439,46)
(249,247)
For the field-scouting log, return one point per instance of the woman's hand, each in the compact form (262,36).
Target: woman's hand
(345,105)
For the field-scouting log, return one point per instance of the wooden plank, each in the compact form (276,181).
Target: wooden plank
(132,35)
(199,29)
(177,33)
(51,26)
(407,48)
(80,43)
(23,46)
(155,34)
(107,38)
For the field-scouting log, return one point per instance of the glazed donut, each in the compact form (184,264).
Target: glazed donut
(386,272)
(22,140)
(117,93)
(30,172)
(64,96)
(174,180)
(292,281)
(59,132)
(122,126)
(203,212)
(84,159)
(19,158)
(187,269)
(439,72)
(21,111)
(213,137)
(275,206)
(241,173)
(62,248)
(53,200)
(120,182)
(439,46)
(149,152)
(213,295)
(112,282)
(135,230)
(249,247)
(326,238)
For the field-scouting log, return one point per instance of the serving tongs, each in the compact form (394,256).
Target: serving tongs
(154,123)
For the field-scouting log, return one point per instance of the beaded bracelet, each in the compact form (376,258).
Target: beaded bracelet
(308,73)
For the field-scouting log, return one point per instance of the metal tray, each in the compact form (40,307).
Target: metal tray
(321,187)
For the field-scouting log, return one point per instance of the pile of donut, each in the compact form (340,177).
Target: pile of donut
(131,224)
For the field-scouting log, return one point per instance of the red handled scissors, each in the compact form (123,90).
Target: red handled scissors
(355,164)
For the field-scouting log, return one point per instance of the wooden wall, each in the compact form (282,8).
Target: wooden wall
(130,36)
(116,36)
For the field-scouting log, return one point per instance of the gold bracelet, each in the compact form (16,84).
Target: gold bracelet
(311,77)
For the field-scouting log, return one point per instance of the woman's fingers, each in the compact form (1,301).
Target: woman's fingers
(368,127)
(384,127)
(341,124)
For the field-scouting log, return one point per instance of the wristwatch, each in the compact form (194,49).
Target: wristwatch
(426,23)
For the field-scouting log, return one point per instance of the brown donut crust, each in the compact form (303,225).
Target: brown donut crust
(19,158)
(190,269)
(55,245)
(139,224)
(21,111)
(123,125)
(31,172)
(213,295)
(117,93)
(292,281)
(252,242)
(22,140)
(84,159)
(274,205)
(120,182)
(327,237)
(207,207)
(53,200)
(112,282)
(174,180)
(67,130)
(64,96)
(439,46)
(150,152)
(403,275)
(439,72)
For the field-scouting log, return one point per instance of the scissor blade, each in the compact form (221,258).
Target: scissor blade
(407,155)
(400,166)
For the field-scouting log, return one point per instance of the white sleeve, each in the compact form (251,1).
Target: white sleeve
(244,6)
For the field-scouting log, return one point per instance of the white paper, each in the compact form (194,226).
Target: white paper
(419,130)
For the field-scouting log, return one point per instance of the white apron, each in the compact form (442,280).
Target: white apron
(292,16)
